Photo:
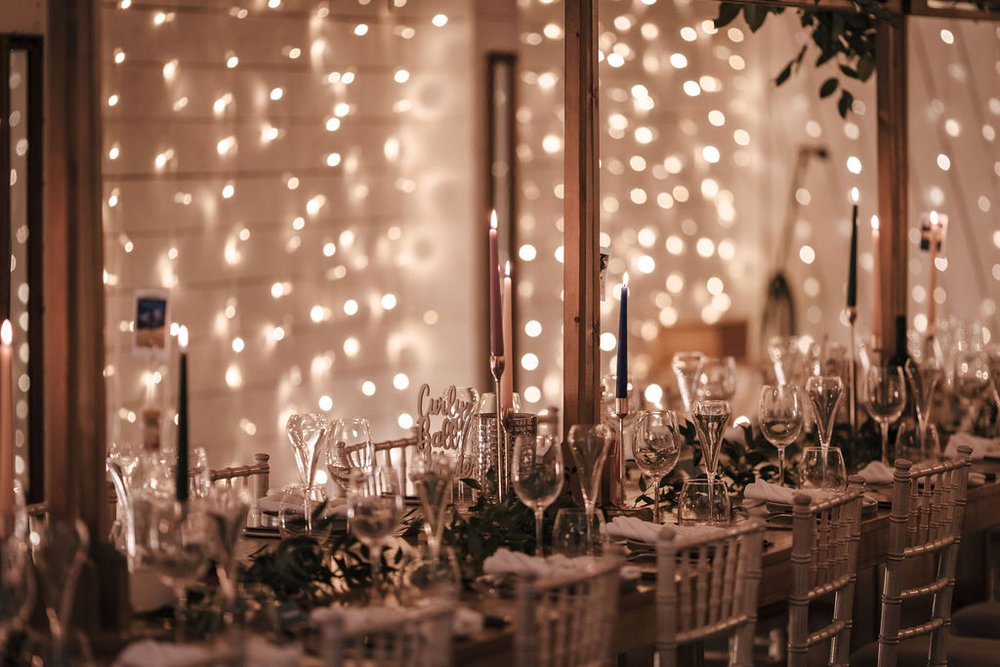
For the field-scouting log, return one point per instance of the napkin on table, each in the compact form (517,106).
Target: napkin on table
(877,472)
(271,503)
(773,493)
(149,653)
(981,447)
(505,561)
(647,532)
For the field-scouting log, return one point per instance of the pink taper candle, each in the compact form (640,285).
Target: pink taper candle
(507,381)
(6,422)
(877,279)
(496,312)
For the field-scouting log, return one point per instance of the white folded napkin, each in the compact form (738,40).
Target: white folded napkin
(773,493)
(271,503)
(981,447)
(356,617)
(466,622)
(505,561)
(647,532)
(877,472)
(149,653)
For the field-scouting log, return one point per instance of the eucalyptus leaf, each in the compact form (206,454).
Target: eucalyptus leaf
(844,103)
(828,87)
(728,12)
(754,15)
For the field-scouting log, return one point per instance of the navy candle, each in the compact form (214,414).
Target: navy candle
(621,388)
(852,271)
(181,476)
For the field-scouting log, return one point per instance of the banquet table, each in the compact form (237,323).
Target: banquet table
(637,610)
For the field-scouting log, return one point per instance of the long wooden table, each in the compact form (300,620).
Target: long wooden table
(637,611)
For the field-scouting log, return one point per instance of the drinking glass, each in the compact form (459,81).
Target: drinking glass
(685,366)
(226,510)
(787,357)
(179,550)
(577,532)
(537,475)
(972,380)
(656,448)
(780,419)
(703,502)
(308,434)
(589,444)
(374,509)
(710,419)
(923,378)
(59,554)
(300,515)
(17,583)
(824,394)
(822,468)
(917,442)
(716,379)
(351,449)
(432,474)
(885,399)
(993,359)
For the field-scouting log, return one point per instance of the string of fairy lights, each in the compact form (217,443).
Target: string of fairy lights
(289,172)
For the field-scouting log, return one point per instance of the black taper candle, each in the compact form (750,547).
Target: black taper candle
(852,271)
(181,476)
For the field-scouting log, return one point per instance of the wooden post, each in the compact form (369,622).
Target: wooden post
(581,307)
(74,300)
(893,175)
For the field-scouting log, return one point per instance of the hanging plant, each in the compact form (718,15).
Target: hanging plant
(845,38)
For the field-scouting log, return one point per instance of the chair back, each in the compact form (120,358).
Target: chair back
(707,587)
(256,475)
(928,506)
(419,637)
(566,620)
(825,538)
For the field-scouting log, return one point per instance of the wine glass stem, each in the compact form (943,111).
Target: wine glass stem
(710,474)
(781,466)
(656,500)
(884,426)
(181,614)
(539,515)
(589,511)
(375,551)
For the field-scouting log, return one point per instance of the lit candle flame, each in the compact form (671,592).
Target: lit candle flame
(493,219)
(6,333)
(182,338)
(934,217)
(625,280)
(855,195)
(506,269)
(875,223)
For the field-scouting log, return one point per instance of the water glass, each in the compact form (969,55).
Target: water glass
(917,442)
(971,381)
(351,449)
(577,532)
(656,448)
(822,468)
(537,475)
(300,514)
(780,419)
(703,502)
(374,510)
(226,508)
(589,444)
(716,379)
(885,399)
(685,366)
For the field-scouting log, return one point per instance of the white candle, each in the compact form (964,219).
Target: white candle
(6,421)
(507,379)
(877,281)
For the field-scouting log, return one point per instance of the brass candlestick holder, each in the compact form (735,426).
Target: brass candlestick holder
(502,464)
(852,374)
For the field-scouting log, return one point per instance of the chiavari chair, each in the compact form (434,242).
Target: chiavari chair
(928,506)
(708,587)
(825,538)
(419,637)
(566,620)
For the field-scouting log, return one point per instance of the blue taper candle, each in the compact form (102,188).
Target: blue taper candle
(621,388)
(181,476)
(852,267)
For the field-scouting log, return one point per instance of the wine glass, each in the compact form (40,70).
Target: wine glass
(972,380)
(374,509)
(710,419)
(885,398)
(824,394)
(179,550)
(308,434)
(59,550)
(685,366)
(537,475)
(576,532)
(656,447)
(226,509)
(716,379)
(589,444)
(703,502)
(780,419)
(432,474)
(823,468)
(923,379)
(787,357)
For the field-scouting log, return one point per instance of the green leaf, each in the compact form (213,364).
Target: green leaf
(728,11)
(468,481)
(828,87)
(866,66)
(849,71)
(785,73)
(755,15)
(845,102)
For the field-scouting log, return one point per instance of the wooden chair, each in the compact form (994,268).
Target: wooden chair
(928,506)
(707,587)
(566,620)
(825,538)
(419,637)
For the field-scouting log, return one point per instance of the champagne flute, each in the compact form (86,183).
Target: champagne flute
(710,419)
(923,379)
(537,475)
(374,510)
(972,380)
(656,447)
(685,366)
(885,398)
(308,434)
(716,379)
(824,393)
(589,444)
(226,508)
(780,419)
(432,474)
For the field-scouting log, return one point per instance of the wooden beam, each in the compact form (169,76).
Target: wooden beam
(893,174)
(953,10)
(894,6)
(581,307)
